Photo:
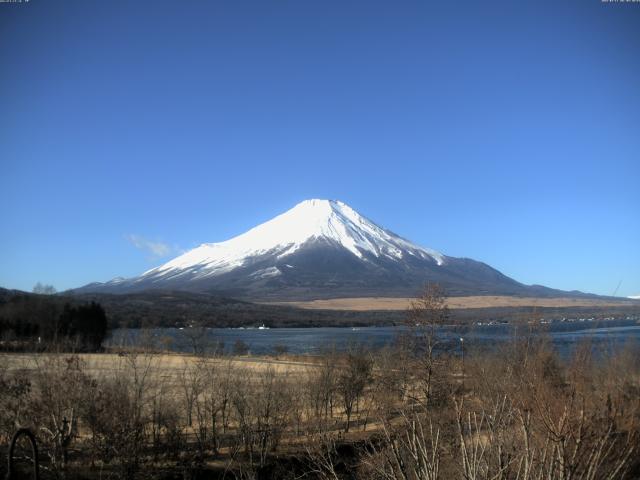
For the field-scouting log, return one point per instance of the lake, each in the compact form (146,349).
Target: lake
(605,335)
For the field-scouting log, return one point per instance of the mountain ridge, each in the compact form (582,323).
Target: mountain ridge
(321,249)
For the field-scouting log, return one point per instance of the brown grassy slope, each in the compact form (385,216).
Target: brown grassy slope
(384,303)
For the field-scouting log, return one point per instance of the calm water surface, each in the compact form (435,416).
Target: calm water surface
(609,335)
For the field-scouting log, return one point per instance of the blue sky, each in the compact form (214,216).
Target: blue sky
(508,132)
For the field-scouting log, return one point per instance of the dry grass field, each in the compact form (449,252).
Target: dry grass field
(164,365)
(386,303)
(360,415)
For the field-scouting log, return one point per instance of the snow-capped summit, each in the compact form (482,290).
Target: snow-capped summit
(309,221)
(318,249)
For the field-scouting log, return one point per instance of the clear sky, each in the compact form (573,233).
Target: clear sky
(504,131)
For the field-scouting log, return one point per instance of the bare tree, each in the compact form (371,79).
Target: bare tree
(59,383)
(44,289)
(426,314)
(410,448)
(353,378)
(118,410)
(322,455)
(14,402)
(216,397)
(321,385)
(191,383)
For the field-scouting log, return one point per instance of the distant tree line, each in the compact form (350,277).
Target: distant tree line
(158,309)
(36,319)
(44,289)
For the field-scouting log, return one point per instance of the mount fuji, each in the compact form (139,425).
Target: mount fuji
(319,249)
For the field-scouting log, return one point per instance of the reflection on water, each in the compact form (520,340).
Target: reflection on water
(605,336)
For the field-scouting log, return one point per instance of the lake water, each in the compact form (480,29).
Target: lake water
(607,335)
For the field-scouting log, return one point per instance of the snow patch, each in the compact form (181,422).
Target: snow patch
(266,273)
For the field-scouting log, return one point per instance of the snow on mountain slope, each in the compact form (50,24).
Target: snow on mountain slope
(310,220)
(319,249)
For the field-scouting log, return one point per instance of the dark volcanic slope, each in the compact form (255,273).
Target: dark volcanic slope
(322,269)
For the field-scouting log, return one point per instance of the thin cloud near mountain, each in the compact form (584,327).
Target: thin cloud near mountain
(156,249)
